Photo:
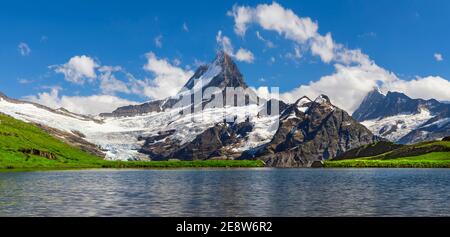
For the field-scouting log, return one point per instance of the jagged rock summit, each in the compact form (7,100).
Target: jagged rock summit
(222,72)
(310,132)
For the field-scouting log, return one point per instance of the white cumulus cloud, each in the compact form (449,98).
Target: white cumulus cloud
(244,55)
(78,69)
(346,87)
(168,79)
(91,105)
(430,87)
(355,73)
(323,46)
(109,84)
(301,30)
(274,17)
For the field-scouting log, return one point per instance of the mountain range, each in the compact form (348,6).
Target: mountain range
(401,119)
(301,134)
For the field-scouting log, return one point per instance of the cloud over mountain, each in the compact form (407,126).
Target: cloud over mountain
(168,78)
(93,104)
(355,73)
(242,55)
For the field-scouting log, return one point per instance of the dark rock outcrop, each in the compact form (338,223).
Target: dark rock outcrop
(370,107)
(36,152)
(214,143)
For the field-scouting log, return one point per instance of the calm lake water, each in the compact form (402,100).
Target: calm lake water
(227,192)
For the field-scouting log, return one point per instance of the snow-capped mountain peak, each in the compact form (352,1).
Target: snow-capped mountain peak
(400,118)
(222,72)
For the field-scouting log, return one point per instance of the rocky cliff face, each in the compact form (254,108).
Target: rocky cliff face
(399,118)
(310,132)
(217,142)
(371,107)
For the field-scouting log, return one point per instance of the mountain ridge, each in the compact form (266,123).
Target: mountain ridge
(302,134)
(400,118)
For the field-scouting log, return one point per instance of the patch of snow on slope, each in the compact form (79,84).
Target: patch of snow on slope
(291,115)
(395,127)
(320,99)
(303,109)
(263,131)
(440,123)
(213,70)
(205,79)
(301,104)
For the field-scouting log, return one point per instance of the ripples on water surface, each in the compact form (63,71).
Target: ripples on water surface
(227,192)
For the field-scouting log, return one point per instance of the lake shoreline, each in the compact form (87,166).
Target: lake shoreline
(358,163)
(159,165)
(123,165)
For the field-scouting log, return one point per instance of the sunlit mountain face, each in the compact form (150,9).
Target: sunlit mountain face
(228,121)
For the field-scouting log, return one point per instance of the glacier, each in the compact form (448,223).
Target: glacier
(119,137)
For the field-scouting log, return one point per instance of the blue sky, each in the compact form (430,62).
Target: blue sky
(406,38)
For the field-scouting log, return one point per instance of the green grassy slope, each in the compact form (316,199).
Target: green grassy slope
(25,146)
(434,154)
